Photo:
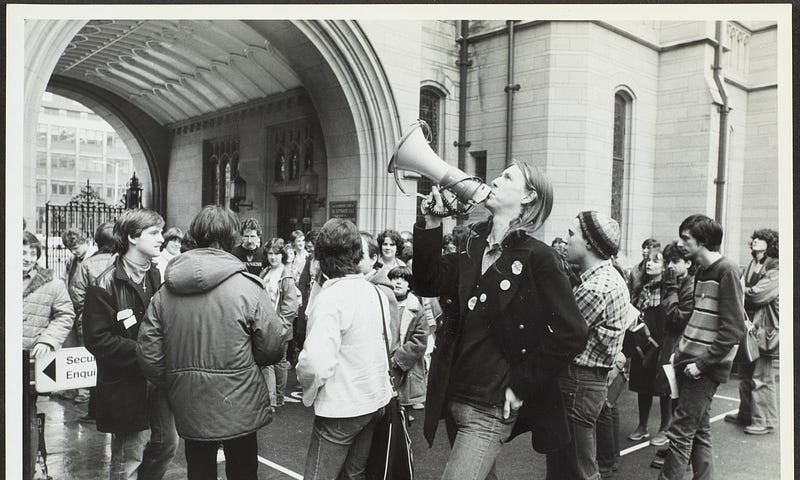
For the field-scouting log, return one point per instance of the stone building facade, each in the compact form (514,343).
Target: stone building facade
(624,116)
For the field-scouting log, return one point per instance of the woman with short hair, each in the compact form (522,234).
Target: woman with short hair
(343,368)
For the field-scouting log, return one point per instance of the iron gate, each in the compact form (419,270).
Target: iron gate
(85,212)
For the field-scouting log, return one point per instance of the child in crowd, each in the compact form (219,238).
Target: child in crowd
(408,365)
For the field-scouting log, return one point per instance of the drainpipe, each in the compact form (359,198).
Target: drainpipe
(463,64)
(724,109)
(510,89)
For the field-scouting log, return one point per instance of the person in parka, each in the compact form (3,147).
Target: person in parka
(517,327)
(204,336)
(126,404)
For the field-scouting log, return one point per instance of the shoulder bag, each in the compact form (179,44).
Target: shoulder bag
(390,457)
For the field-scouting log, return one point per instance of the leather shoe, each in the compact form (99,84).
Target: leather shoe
(734,418)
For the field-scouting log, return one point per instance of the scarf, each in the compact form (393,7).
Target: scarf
(135,270)
(650,295)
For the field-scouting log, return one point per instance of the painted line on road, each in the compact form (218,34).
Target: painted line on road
(731,399)
(647,443)
(279,468)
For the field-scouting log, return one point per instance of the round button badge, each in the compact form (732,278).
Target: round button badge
(505,285)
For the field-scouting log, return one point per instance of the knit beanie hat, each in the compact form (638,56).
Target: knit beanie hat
(601,231)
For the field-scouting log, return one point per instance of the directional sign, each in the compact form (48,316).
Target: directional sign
(66,369)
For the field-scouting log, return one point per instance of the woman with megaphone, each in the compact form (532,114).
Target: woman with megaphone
(511,325)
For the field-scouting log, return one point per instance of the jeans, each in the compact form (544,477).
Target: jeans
(607,434)
(690,431)
(759,405)
(584,392)
(340,447)
(277,376)
(476,434)
(241,458)
(146,454)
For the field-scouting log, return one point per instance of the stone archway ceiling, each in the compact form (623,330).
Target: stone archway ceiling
(177,69)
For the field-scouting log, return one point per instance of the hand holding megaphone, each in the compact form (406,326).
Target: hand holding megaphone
(430,204)
(414,154)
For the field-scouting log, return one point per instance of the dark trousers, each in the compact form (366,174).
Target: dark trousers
(241,458)
(690,432)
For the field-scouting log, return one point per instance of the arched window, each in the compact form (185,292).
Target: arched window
(621,151)
(430,110)
(219,170)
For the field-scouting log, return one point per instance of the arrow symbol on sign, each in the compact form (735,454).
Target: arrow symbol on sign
(50,370)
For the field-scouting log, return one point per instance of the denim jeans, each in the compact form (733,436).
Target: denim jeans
(147,453)
(277,376)
(690,431)
(759,405)
(340,447)
(607,437)
(584,392)
(476,434)
(241,458)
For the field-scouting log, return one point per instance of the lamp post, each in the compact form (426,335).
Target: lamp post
(133,195)
(240,194)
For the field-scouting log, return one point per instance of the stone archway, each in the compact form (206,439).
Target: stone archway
(340,70)
(357,111)
(145,139)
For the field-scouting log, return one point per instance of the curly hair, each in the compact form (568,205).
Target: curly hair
(250,224)
(396,238)
(771,237)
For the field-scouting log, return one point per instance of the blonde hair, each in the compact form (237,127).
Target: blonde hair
(533,214)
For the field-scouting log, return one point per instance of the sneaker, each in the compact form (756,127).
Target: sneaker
(734,418)
(418,406)
(660,439)
(638,435)
(657,463)
(757,430)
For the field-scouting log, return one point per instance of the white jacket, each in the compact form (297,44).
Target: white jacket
(343,366)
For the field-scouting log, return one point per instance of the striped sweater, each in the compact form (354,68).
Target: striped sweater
(716,325)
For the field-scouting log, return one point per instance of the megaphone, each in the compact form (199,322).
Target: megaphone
(414,154)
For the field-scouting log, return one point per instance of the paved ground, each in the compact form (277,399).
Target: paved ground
(78,451)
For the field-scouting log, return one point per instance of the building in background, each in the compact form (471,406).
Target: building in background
(295,121)
(74,145)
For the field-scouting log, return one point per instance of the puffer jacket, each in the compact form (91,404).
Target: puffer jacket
(204,336)
(113,312)
(289,298)
(47,313)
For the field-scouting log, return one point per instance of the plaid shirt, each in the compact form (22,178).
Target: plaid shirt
(603,300)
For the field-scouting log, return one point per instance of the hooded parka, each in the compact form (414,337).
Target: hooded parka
(204,336)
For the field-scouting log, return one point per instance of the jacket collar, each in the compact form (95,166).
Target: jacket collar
(43,275)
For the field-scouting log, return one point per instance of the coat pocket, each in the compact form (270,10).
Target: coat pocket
(122,404)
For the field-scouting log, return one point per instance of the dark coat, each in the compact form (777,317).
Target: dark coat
(536,323)
(121,393)
(677,303)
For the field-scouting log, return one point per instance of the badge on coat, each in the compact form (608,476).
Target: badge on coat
(483,297)
(505,285)
(471,303)
(127,318)
(516,267)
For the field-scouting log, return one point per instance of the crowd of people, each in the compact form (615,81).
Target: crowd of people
(196,333)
